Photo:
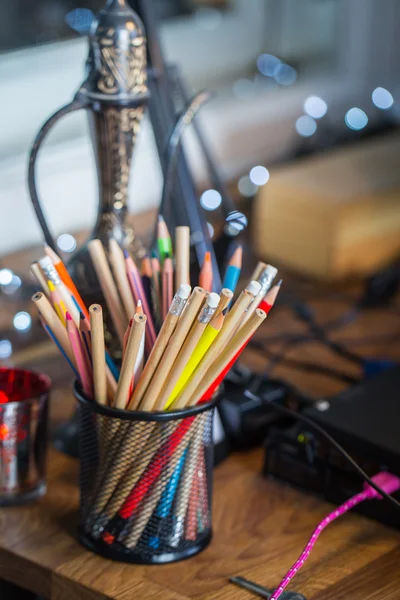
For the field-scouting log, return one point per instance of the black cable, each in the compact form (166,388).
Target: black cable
(313,368)
(298,416)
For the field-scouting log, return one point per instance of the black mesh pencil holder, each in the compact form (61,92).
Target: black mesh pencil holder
(145,482)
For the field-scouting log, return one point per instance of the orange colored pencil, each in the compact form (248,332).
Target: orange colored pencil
(206,273)
(66,277)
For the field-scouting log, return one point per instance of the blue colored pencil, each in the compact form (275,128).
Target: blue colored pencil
(55,340)
(233,269)
(164,506)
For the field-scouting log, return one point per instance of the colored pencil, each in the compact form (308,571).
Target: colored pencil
(233,269)
(138,292)
(164,242)
(203,345)
(187,351)
(77,347)
(269,299)
(57,302)
(206,273)
(65,277)
(212,365)
(51,335)
(218,345)
(117,261)
(65,294)
(147,273)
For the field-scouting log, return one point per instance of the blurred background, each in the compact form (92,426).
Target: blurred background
(304,128)
(291,77)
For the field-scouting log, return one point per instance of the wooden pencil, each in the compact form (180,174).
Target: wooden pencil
(167,329)
(167,285)
(261,266)
(208,371)
(51,319)
(66,278)
(132,350)
(140,359)
(226,298)
(85,374)
(41,279)
(187,349)
(98,354)
(150,399)
(265,280)
(206,273)
(231,322)
(182,256)
(117,261)
(108,287)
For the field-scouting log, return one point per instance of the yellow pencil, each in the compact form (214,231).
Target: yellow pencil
(209,335)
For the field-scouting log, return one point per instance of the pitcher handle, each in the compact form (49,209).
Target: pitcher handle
(77,103)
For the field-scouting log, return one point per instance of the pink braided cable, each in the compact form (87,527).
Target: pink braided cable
(341,510)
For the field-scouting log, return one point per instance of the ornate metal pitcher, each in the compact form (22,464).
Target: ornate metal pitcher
(115,95)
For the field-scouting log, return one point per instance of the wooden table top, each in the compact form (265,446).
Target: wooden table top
(260,526)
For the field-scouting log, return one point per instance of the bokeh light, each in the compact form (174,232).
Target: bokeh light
(66,242)
(315,107)
(382,98)
(356,119)
(306,126)
(259,175)
(210,199)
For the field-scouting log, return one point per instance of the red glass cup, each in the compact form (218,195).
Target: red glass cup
(24,399)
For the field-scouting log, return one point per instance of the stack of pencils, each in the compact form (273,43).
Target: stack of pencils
(177,343)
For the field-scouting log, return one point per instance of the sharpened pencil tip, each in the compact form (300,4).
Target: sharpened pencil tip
(161,219)
(68,316)
(82,316)
(126,253)
(154,254)
(279,283)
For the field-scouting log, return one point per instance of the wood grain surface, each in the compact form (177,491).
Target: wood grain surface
(260,526)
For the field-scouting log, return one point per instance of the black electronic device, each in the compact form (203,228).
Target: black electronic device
(365,420)
(245,417)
